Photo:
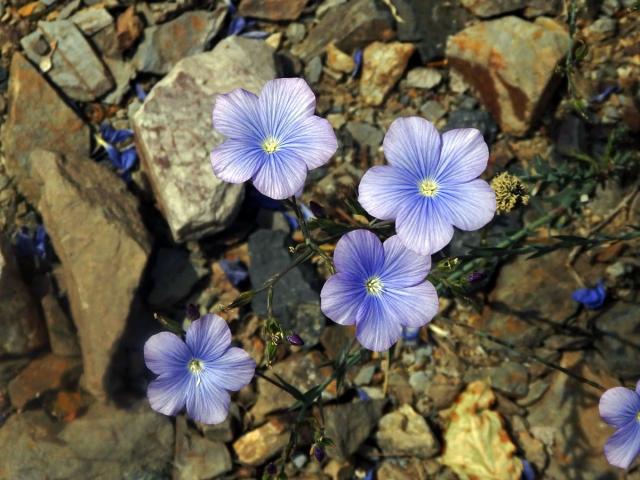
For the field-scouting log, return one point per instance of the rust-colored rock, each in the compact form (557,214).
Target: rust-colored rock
(511,64)
(49,372)
(38,118)
(383,65)
(272,9)
(338,60)
(98,234)
(128,28)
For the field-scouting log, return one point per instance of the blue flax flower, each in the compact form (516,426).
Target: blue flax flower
(378,287)
(198,373)
(620,408)
(591,298)
(273,139)
(430,184)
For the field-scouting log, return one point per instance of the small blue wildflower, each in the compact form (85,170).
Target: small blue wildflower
(197,373)
(123,161)
(430,185)
(31,245)
(140,93)
(114,136)
(378,287)
(235,271)
(357,59)
(620,408)
(273,139)
(591,298)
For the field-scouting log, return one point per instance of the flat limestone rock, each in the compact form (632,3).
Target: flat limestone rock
(98,234)
(174,134)
(38,118)
(511,64)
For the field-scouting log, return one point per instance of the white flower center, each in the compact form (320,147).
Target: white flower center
(270,145)
(195,367)
(374,286)
(428,187)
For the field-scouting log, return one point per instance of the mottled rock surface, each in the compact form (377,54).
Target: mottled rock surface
(198,458)
(406,432)
(75,67)
(103,256)
(22,327)
(490,8)
(383,65)
(511,64)
(259,445)
(165,45)
(106,442)
(351,25)
(38,118)
(174,134)
(272,9)
(62,333)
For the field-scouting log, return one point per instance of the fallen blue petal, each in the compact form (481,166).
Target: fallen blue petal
(528,473)
(591,298)
(362,395)
(140,93)
(128,159)
(235,271)
(113,136)
(31,245)
(606,93)
(357,58)
(255,34)
(237,25)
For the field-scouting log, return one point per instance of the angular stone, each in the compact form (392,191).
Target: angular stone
(272,9)
(62,334)
(619,340)
(97,232)
(174,275)
(174,134)
(259,445)
(165,45)
(296,304)
(491,8)
(510,378)
(106,442)
(300,370)
(383,65)
(38,118)
(428,23)
(49,372)
(511,64)
(21,325)
(350,424)
(338,60)
(422,77)
(128,28)
(98,25)
(406,432)
(123,72)
(198,458)
(366,135)
(351,25)
(75,68)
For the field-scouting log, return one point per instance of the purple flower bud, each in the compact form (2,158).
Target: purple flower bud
(319,453)
(295,339)
(193,311)
(475,277)
(271,469)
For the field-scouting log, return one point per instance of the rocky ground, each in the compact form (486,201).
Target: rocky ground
(131,235)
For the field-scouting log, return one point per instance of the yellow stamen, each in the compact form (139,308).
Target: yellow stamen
(428,187)
(270,145)
(373,286)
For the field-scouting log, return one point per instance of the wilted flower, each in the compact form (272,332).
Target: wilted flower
(620,408)
(378,287)
(198,373)
(591,298)
(272,139)
(510,192)
(430,184)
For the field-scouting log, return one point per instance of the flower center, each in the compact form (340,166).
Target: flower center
(270,145)
(638,416)
(374,286)
(428,187)
(195,367)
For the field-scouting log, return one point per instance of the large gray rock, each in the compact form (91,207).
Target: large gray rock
(174,134)
(74,67)
(38,118)
(166,44)
(351,25)
(98,234)
(618,342)
(491,8)
(404,431)
(107,443)
(511,64)
(22,327)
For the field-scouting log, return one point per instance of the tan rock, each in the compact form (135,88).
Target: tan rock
(383,65)
(98,234)
(338,60)
(405,431)
(259,445)
(511,65)
(272,9)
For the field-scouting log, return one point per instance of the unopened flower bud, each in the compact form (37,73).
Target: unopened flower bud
(295,339)
(271,469)
(317,209)
(193,311)
(475,277)
(318,452)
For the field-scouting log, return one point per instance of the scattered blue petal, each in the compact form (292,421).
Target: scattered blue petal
(31,245)
(307,213)
(140,93)
(357,58)
(362,395)
(370,474)
(291,220)
(256,34)
(113,136)
(606,93)
(237,25)
(235,271)
(410,334)
(528,473)
(591,298)
(128,159)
